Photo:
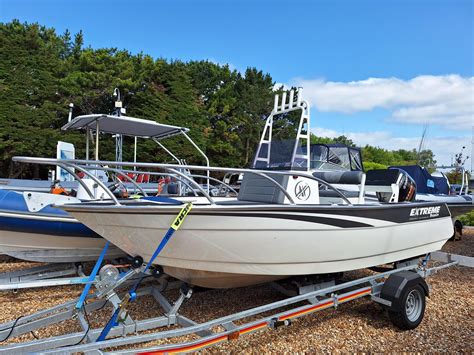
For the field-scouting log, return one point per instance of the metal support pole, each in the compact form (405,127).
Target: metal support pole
(202,153)
(97,140)
(87,142)
(192,182)
(99,183)
(167,150)
(73,173)
(71,107)
(126,177)
(174,157)
(135,152)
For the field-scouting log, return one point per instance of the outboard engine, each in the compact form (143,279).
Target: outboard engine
(392,185)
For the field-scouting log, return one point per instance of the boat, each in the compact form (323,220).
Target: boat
(419,184)
(436,187)
(31,229)
(278,226)
(248,242)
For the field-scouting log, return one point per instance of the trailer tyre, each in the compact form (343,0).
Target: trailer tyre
(411,314)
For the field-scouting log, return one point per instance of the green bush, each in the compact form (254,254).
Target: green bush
(369,165)
(467,219)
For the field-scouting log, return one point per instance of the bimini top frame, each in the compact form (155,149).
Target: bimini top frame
(132,127)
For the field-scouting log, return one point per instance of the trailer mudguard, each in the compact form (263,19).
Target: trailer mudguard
(393,287)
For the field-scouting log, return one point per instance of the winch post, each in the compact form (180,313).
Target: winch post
(92,276)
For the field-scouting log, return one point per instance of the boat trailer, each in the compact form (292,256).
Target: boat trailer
(401,291)
(42,276)
(50,275)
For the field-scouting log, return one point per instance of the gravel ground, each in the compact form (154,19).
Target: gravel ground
(465,246)
(358,326)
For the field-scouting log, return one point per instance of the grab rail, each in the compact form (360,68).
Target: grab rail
(84,185)
(154,174)
(216,180)
(98,182)
(199,187)
(172,167)
(128,178)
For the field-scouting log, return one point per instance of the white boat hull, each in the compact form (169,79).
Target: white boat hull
(52,248)
(233,246)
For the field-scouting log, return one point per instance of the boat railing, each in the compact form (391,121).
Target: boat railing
(464,189)
(84,165)
(222,183)
(85,169)
(126,177)
(153,173)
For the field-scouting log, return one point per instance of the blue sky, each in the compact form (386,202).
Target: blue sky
(420,51)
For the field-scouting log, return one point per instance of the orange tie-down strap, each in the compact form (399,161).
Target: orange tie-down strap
(200,344)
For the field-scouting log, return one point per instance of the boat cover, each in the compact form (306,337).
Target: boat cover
(425,182)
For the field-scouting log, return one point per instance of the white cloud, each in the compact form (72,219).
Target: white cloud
(444,147)
(445,100)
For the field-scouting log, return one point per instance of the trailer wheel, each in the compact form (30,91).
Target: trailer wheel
(458,227)
(413,308)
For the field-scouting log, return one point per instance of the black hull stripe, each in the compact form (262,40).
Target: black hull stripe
(336,222)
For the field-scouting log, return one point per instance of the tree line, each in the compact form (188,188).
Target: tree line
(41,72)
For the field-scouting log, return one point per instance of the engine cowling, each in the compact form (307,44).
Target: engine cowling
(392,185)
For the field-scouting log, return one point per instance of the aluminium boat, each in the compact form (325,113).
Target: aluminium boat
(248,242)
(279,226)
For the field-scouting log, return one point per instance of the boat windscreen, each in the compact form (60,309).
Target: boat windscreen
(281,152)
(339,156)
(335,157)
(356,159)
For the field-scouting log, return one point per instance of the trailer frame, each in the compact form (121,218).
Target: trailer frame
(230,328)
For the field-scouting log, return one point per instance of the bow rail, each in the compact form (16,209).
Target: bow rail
(85,165)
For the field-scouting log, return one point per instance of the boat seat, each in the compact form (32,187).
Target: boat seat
(340,177)
(332,193)
(382,177)
(256,188)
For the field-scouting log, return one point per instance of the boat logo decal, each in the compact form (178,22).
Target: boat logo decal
(302,191)
(182,214)
(425,211)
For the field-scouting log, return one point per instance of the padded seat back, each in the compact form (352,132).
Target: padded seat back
(256,188)
(332,193)
(340,177)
